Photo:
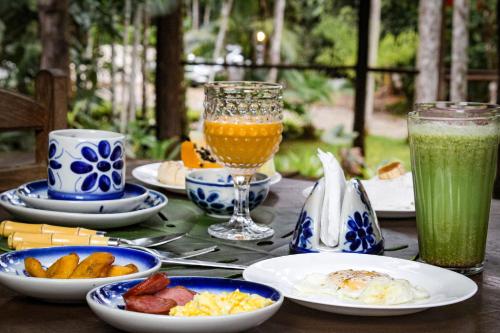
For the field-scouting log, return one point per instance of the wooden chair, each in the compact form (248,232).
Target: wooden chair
(44,113)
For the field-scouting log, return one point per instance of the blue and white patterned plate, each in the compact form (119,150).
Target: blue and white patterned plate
(14,276)
(11,201)
(107,303)
(35,195)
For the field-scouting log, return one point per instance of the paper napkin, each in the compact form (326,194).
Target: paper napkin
(335,185)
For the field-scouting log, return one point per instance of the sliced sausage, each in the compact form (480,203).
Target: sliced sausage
(179,294)
(149,304)
(153,284)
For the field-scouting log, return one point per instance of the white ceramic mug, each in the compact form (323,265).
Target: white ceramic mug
(86,165)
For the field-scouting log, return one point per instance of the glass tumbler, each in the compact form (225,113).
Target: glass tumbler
(454,148)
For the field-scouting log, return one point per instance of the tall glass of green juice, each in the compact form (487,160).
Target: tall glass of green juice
(454,148)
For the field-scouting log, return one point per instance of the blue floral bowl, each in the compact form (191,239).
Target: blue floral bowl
(212,190)
(86,165)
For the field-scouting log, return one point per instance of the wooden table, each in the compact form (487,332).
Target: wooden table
(481,313)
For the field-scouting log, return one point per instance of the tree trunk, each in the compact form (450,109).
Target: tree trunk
(112,71)
(221,35)
(123,111)
(429,31)
(206,13)
(459,59)
(132,105)
(145,46)
(274,52)
(170,110)
(196,14)
(53,20)
(373,40)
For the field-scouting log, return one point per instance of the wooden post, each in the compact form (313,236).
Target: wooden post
(50,92)
(361,72)
(170,110)
(496,188)
(53,22)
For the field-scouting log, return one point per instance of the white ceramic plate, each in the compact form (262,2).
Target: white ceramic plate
(107,303)
(14,276)
(151,206)
(148,174)
(36,196)
(444,287)
(390,198)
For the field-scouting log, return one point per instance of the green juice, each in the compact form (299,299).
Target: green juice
(453,173)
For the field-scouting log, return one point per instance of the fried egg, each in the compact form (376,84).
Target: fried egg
(368,287)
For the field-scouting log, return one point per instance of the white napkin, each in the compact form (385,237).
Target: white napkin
(335,184)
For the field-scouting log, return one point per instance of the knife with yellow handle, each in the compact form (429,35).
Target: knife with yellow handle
(62,239)
(9,227)
(29,245)
(56,239)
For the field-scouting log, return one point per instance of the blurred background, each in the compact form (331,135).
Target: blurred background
(351,69)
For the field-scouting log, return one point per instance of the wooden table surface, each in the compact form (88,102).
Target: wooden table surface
(481,313)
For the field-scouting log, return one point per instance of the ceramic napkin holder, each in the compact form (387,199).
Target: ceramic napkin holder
(354,227)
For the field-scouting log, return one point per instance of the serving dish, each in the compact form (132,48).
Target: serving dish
(35,194)
(444,287)
(391,198)
(148,174)
(107,303)
(11,201)
(14,276)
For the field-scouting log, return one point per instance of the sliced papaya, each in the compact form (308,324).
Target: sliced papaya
(197,158)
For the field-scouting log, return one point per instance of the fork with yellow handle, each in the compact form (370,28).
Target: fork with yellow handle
(9,227)
(17,239)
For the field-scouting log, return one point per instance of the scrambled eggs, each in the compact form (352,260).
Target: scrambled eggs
(210,304)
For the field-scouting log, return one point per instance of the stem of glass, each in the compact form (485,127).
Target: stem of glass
(241,216)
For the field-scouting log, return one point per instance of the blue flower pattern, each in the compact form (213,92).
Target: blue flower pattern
(303,232)
(208,201)
(360,236)
(54,165)
(103,168)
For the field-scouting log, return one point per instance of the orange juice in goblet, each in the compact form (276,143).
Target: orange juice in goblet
(242,126)
(243,145)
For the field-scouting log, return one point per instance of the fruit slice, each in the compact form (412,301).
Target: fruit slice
(196,158)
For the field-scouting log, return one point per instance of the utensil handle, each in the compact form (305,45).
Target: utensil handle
(201,263)
(29,245)
(9,227)
(54,239)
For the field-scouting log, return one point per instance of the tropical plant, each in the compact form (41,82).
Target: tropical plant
(142,143)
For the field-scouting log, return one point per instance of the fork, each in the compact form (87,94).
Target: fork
(164,255)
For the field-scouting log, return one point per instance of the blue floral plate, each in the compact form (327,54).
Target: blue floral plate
(153,203)
(35,195)
(107,303)
(14,275)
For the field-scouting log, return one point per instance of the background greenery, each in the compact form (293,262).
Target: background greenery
(315,32)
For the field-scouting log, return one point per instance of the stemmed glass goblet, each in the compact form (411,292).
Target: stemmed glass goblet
(242,127)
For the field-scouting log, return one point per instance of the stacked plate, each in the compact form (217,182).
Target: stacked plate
(31,202)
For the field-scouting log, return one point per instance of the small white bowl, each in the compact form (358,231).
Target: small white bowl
(107,303)
(14,276)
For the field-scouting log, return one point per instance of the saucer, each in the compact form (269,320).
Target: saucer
(11,202)
(35,194)
(148,174)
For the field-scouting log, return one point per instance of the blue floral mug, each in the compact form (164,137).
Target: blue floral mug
(86,165)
